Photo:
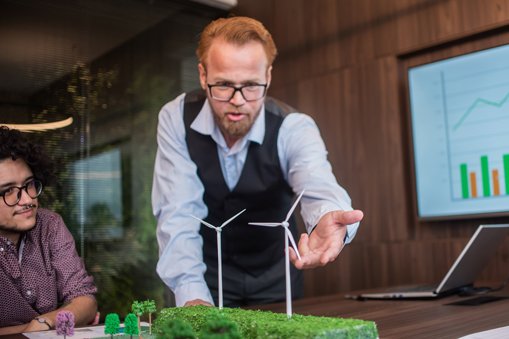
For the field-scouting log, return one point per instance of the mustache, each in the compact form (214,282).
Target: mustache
(27,207)
(237,109)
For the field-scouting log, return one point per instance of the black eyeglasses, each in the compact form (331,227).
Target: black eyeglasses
(12,195)
(226,92)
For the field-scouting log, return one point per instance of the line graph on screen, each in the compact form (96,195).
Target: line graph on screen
(476,111)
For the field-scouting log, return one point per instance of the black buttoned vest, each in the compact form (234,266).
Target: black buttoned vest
(261,190)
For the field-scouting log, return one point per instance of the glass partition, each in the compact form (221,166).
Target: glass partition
(87,79)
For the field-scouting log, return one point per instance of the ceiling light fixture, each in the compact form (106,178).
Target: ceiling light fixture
(29,128)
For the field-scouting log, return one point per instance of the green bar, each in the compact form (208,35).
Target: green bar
(485,176)
(506,171)
(464,180)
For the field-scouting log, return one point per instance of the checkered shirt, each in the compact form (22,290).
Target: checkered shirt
(50,271)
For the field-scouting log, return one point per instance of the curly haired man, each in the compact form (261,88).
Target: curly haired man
(39,265)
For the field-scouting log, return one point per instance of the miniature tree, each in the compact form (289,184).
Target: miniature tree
(150,307)
(218,326)
(176,328)
(65,323)
(131,325)
(138,309)
(112,324)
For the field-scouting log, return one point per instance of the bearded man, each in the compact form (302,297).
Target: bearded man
(228,147)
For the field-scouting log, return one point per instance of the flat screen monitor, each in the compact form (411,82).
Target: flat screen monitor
(460,129)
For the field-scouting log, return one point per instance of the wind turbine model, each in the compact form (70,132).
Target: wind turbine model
(219,260)
(288,235)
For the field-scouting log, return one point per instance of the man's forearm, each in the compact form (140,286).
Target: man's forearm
(84,310)
(13,329)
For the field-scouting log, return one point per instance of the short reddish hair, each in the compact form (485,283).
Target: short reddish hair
(237,30)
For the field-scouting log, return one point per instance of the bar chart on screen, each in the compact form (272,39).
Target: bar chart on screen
(460,124)
(478,136)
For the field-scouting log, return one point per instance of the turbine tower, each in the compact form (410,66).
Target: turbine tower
(219,259)
(288,235)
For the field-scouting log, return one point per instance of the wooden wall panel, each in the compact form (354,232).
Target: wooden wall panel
(341,62)
(329,34)
(356,134)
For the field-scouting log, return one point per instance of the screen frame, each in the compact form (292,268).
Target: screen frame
(466,45)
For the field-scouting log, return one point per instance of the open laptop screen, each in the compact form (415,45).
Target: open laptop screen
(465,270)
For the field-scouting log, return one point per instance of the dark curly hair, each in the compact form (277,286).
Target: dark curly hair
(13,145)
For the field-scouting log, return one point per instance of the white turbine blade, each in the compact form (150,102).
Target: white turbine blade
(294,205)
(292,240)
(204,222)
(227,221)
(269,224)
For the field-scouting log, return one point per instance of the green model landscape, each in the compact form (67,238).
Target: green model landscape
(260,324)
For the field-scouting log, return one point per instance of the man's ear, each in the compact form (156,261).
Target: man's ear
(269,76)
(203,76)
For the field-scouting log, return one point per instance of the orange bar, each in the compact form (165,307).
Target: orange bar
(496,185)
(473,184)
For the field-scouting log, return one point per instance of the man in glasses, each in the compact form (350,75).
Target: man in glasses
(228,147)
(39,266)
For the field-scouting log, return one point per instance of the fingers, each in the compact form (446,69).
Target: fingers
(293,256)
(302,248)
(349,217)
(320,256)
(303,244)
(325,253)
(197,302)
(311,260)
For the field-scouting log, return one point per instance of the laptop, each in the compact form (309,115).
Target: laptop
(462,274)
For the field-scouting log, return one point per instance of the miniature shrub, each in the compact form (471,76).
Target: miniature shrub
(218,326)
(176,328)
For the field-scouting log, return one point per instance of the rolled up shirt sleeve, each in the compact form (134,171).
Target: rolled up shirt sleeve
(176,193)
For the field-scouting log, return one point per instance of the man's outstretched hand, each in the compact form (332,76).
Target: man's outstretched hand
(197,302)
(326,241)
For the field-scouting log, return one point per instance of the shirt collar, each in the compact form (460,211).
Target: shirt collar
(204,124)
(4,241)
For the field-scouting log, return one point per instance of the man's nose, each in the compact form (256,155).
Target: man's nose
(25,199)
(237,99)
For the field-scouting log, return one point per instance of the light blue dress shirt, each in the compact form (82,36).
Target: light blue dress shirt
(178,192)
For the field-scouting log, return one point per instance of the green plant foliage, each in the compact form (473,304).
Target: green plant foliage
(122,269)
(219,326)
(268,325)
(176,328)
(150,306)
(138,308)
(112,324)
(131,325)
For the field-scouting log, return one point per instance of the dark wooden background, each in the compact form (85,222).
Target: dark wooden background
(344,62)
